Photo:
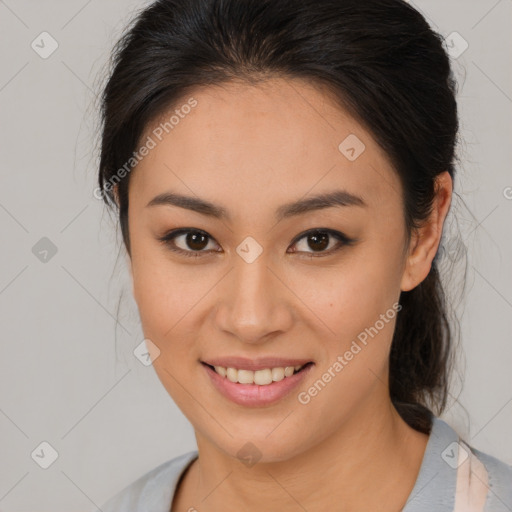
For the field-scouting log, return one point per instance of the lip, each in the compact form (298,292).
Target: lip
(243,363)
(254,395)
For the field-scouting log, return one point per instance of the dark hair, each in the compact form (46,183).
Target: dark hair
(382,62)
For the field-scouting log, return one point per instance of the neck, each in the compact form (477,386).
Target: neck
(370,463)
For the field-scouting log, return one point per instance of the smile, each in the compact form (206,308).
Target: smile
(256,388)
(262,377)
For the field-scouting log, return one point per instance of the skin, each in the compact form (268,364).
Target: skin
(252,149)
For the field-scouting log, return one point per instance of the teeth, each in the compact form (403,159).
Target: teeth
(260,377)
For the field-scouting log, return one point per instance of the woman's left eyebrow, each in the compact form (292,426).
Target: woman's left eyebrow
(337,198)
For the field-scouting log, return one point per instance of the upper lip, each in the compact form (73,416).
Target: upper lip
(260,363)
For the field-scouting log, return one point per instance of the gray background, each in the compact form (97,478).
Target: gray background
(67,372)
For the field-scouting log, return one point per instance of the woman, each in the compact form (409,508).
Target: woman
(282,171)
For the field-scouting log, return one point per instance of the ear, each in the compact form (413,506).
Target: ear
(425,240)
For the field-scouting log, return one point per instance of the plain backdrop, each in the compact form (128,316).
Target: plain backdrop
(68,376)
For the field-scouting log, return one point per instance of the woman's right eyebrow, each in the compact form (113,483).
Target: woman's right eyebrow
(337,198)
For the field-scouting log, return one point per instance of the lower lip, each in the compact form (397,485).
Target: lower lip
(254,395)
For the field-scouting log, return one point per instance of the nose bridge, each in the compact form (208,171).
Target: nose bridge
(253,304)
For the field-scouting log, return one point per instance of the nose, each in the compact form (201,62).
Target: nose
(254,302)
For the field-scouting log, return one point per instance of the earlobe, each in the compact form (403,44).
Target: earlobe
(426,239)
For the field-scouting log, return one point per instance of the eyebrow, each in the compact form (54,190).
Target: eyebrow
(336,198)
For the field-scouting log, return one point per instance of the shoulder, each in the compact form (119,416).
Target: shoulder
(153,491)
(480,477)
(499,481)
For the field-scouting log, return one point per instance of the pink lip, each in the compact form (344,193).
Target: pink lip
(242,363)
(254,395)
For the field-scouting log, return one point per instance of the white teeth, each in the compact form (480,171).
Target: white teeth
(260,377)
(277,374)
(232,374)
(220,370)
(288,371)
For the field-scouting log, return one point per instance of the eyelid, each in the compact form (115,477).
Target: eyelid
(343,240)
(168,240)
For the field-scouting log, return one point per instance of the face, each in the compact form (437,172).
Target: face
(256,278)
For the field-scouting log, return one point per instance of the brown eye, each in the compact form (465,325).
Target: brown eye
(189,242)
(196,241)
(319,241)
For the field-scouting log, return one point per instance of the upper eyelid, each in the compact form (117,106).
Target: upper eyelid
(339,236)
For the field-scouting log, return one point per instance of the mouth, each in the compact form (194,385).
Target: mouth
(261,377)
(262,387)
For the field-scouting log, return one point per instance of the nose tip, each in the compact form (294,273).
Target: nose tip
(253,305)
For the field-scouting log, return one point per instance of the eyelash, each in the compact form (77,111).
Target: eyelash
(342,239)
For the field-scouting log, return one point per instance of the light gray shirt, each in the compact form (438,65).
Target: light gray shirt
(453,477)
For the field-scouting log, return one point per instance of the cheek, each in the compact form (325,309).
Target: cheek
(347,298)
(358,302)
(165,297)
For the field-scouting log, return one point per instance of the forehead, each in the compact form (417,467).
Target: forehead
(279,138)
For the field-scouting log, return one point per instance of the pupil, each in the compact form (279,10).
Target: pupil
(321,239)
(192,241)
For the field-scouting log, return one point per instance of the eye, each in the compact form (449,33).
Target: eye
(192,241)
(319,240)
